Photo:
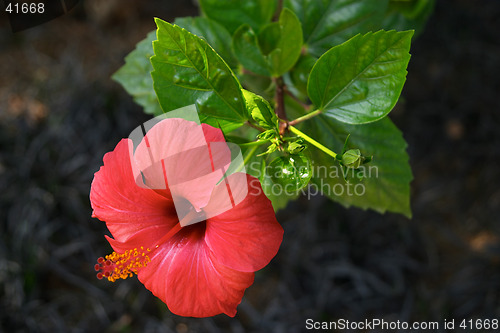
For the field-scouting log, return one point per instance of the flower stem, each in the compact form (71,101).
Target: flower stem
(247,158)
(305,117)
(251,151)
(253,143)
(312,141)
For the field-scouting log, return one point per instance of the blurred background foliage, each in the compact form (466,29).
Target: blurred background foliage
(60,112)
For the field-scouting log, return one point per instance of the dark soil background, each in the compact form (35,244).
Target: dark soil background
(60,112)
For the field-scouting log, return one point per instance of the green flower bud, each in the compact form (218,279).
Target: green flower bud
(294,172)
(296,147)
(266,135)
(352,158)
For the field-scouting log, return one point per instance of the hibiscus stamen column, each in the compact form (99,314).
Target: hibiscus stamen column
(121,266)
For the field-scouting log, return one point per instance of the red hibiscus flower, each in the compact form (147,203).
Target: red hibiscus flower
(193,237)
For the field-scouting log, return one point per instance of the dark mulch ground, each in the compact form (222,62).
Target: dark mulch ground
(60,112)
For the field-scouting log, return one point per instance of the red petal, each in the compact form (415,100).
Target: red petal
(126,207)
(212,134)
(248,236)
(146,238)
(186,275)
(178,150)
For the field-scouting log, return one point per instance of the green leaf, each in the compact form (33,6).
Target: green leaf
(214,33)
(224,125)
(385,184)
(360,80)
(261,85)
(233,13)
(281,42)
(269,37)
(261,111)
(270,149)
(299,75)
(276,48)
(135,75)
(327,23)
(246,49)
(386,178)
(188,71)
(276,193)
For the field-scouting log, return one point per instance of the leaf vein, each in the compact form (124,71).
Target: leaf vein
(358,75)
(205,78)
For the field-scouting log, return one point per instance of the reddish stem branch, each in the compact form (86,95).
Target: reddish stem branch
(276,15)
(304,105)
(280,104)
(255,126)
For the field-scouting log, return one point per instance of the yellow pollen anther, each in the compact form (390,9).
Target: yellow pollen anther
(121,266)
